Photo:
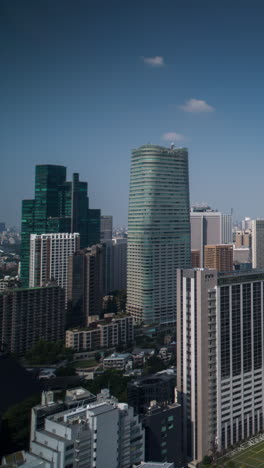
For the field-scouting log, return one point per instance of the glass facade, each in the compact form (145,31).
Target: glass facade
(158,231)
(59,206)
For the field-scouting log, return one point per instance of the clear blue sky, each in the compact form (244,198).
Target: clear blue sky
(83,82)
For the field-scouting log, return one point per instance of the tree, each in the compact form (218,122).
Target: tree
(97,357)
(154,364)
(16,425)
(206,460)
(45,352)
(112,379)
(66,371)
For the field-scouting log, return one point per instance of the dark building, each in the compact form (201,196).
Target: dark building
(85,286)
(158,387)
(59,206)
(30,314)
(2,227)
(163,434)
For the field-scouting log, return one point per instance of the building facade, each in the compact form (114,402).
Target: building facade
(219,257)
(49,254)
(209,227)
(100,434)
(163,438)
(257,243)
(220,344)
(159,387)
(28,315)
(158,231)
(85,286)
(58,207)
(102,334)
(106,228)
(115,265)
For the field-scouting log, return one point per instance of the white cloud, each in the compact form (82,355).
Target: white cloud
(154,61)
(196,105)
(172,136)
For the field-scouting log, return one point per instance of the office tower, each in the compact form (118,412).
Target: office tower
(106,228)
(243,239)
(58,207)
(162,434)
(258,243)
(195,258)
(2,227)
(85,286)
(115,265)
(100,434)
(49,254)
(29,315)
(246,224)
(158,231)
(219,257)
(209,227)
(219,358)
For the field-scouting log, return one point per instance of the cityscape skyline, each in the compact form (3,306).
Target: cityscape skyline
(149,88)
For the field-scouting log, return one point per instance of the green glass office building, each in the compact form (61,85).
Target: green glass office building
(59,206)
(158,231)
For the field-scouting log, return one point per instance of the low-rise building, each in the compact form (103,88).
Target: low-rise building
(159,387)
(105,333)
(118,361)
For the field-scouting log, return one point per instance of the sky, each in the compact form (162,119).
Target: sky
(83,82)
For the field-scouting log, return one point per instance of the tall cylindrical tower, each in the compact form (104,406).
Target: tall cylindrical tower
(158,231)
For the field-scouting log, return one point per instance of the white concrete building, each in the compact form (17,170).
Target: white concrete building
(257,243)
(209,227)
(49,255)
(220,348)
(101,434)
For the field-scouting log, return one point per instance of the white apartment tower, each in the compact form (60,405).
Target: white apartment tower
(220,346)
(49,255)
(257,243)
(209,227)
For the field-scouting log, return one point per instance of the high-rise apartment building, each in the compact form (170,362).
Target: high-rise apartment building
(257,243)
(58,207)
(115,265)
(106,228)
(100,434)
(49,254)
(218,257)
(85,286)
(158,231)
(243,239)
(28,315)
(220,345)
(209,227)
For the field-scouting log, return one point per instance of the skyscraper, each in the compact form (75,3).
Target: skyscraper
(106,228)
(258,243)
(219,257)
(220,343)
(49,254)
(59,206)
(158,231)
(209,227)
(85,286)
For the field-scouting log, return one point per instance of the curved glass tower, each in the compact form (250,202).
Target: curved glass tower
(158,231)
